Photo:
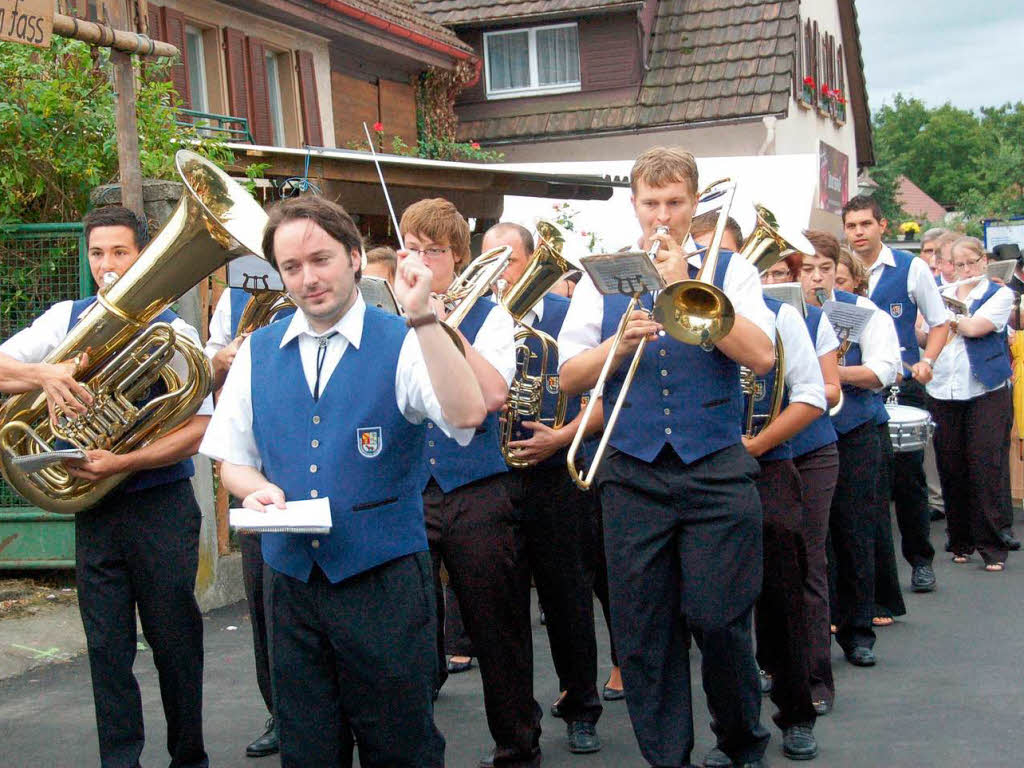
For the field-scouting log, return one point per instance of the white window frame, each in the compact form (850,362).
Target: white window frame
(276,108)
(533,89)
(200,76)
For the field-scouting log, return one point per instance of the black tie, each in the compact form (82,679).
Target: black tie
(321,353)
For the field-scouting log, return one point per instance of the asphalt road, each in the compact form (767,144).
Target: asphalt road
(948,691)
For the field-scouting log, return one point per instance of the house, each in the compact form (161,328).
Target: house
(916,202)
(605,79)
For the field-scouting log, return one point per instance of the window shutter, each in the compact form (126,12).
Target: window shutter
(153,19)
(259,100)
(173,28)
(310,103)
(238,92)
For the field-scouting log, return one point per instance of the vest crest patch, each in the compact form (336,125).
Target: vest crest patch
(370,441)
(896,309)
(759,390)
(551,384)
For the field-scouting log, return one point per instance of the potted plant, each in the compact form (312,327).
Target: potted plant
(807,92)
(910,230)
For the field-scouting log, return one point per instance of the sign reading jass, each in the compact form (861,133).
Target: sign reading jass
(27,21)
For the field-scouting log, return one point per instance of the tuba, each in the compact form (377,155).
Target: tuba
(263,305)
(526,392)
(474,281)
(215,221)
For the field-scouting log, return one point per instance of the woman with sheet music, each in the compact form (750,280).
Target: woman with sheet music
(970,402)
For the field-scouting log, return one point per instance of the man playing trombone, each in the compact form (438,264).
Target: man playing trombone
(681,512)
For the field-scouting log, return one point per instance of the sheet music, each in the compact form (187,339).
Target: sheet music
(37,461)
(626,272)
(848,320)
(304,516)
(787,293)
(377,293)
(252,265)
(1001,270)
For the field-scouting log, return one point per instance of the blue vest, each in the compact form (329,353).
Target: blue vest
(146,478)
(681,395)
(859,405)
(353,446)
(763,388)
(555,308)
(449,463)
(891,295)
(819,432)
(938,281)
(989,355)
(238,299)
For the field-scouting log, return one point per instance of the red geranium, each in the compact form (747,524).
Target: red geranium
(378,126)
(824,89)
(475,145)
(809,81)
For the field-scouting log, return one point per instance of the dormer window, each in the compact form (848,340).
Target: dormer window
(533,61)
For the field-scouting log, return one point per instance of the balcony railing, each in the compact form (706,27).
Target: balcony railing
(225,127)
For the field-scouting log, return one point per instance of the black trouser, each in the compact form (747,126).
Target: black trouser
(140,551)
(853,526)
(555,522)
(684,547)
(253,579)
(888,593)
(780,619)
(596,564)
(356,659)
(476,532)
(971,439)
(818,472)
(910,490)
(456,639)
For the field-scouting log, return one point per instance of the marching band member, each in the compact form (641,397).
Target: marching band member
(681,511)
(970,401)
(554,517)
(868,366)
(897,284)
(472,525)
(381,262)
(138,549)
(334,410)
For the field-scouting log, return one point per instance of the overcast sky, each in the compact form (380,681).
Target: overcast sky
(968,53)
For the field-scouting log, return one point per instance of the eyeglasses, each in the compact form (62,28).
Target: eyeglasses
(431,252)
(965,264)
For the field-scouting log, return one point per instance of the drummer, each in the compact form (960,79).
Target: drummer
(868,365)
(970,402)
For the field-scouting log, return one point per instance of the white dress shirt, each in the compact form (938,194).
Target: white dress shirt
(920,286)
(827,339)
(496,342)
(230,435)
(952,378)
(33,344)
(803,377)
(220,325)
(879,344)
(581,329)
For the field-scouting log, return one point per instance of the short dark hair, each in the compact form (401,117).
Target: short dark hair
(706,222)
(382,253)
(330,217)
(525,235)
(863,203)
(825,244)
(116,216)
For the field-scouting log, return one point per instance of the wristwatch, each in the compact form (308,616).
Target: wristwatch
(427,319)
(931,363)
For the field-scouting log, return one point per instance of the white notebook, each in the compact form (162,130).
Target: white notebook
(305,516)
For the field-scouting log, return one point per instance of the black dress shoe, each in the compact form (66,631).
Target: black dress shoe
(716,758)
(822,708)
(613,694)
(1006,536)
(267,744)
(936,514)
(861,657)
(487,761)
(454,667)
(922,579)
(798,743)
(583,737)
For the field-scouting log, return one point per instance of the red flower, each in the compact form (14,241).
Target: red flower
(475,144)
(378,126)
(824,88)
(809,81)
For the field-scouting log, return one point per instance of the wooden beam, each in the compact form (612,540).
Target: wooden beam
(128,162)
(108,37)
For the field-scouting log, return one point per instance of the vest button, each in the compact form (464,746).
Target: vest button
(312,468)
(430,425)
(668,411)
(664,372)
(433,461)
(316,419)
(315,444)
(315,543)
(314,493)
(661,352)
(430,443)
(664,392)
(668,430)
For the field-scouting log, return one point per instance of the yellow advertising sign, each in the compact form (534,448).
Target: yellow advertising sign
(27,21)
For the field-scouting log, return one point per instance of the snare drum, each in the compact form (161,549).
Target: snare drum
(909,428)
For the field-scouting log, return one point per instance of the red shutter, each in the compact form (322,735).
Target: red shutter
(153,18)
(173,28)
(310,103)
(238,91)
(259,101)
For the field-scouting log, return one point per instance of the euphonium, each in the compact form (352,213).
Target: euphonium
(474,281)
(748,383)
(526,392)
(263,305)
(215,221)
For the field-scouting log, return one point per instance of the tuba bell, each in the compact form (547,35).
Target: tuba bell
(263,306)
(215,221)
(533,375)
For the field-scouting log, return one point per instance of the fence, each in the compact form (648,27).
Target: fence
(40,264)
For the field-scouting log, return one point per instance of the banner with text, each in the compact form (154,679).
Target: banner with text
(833,178)
(27,21)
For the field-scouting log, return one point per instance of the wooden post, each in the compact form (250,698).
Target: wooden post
(127,122)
